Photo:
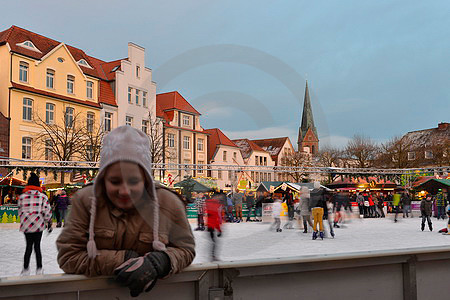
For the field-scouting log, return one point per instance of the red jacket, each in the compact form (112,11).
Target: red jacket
(213,210)
(371,201)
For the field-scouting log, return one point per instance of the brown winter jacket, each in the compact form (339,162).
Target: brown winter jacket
(426,207)
(117,231)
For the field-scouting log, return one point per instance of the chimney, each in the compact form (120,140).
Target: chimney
(443,126)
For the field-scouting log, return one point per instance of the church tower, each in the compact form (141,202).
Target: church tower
(308,140)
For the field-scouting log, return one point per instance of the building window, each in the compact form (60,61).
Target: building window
(129,121)
(200,168)
(26,148)
(269,177)
(200,144)
(411,155)
(89,152)
(428,154)
(145,126)
(186,120)
(186,142)
(129,94)
(27,109)
(138,71)
(69,117)
(234,155)
(89,89)
(48,150)
(70,84)
(171,140)
(108,121)
(23,71)
(256,160)
(265,161)
(50,79)
(90,122)
(224,155)
(137,97)
(219,174)
(144,99)
(230,175)
(49,113)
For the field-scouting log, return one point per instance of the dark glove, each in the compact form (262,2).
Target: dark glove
(130,254)
(140,274)
(219,234)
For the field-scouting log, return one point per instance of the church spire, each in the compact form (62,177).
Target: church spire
(307,121)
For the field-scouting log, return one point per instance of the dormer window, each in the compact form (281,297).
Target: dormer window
(84,63)
(29,45)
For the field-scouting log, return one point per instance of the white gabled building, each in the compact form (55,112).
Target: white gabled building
(222,151)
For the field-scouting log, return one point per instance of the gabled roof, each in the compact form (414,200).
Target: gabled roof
(173,100)
(247,147)
(273,146)
(100,69)
(428,137)
(217,137)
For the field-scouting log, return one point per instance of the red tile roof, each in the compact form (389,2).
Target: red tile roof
(217,137)
(173,100)
(15,35)
(53,95)
(107,93)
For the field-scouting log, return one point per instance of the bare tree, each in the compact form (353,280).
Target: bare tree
(330,157)
(394,153)
(361,150)
(296,159)
(441,152)
(93,139)
(63,140)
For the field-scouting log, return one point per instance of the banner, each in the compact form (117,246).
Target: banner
(9,214)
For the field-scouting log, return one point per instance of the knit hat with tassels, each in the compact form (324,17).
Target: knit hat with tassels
(125,143)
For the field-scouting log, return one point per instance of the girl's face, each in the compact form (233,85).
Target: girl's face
(124,184)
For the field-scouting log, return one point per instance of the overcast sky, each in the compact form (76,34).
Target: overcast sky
(377,68)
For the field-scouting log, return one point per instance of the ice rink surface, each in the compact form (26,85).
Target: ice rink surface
(242,241)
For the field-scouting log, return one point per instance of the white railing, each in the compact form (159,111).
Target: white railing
(416,273)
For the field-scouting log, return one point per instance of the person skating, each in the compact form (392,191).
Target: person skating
(396,199)
(213,211)
(317,204)
(328,215)
(200,205)
(305,210)
(426,210)
(250,201)
(406,202)
(276,213)
(35,215)
(289,199)
(441,203)
(258,206)
(360,201)
(62,203)
(237,201)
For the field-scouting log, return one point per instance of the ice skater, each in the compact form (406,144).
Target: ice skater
(318,204)
(213,211)
(35,215)
(200,205)
(305,210)
(276,212)
(426,210)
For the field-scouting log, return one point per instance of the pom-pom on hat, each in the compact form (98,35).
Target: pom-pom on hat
(125,143)
(33,180)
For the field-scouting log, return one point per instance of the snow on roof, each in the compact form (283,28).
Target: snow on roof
(427,137)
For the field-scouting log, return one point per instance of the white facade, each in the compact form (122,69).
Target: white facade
(260,158)
(134,89)
(226,155)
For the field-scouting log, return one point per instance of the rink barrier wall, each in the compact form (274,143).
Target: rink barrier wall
(415,273)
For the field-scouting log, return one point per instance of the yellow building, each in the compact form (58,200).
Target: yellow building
(43,81)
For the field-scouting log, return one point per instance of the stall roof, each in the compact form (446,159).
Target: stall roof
(264,186)
(433,185)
